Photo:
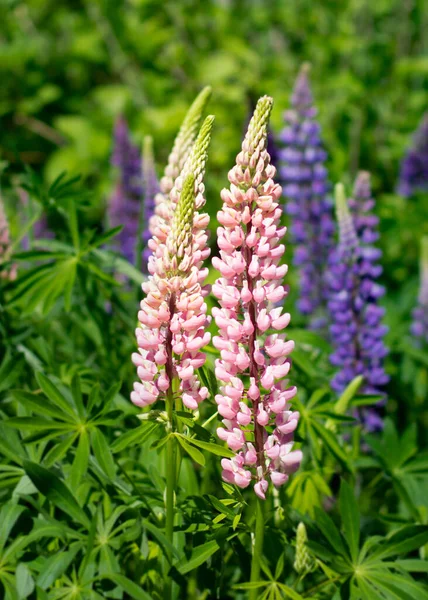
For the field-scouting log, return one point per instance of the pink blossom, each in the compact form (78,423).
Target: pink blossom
(173,314)
(258,422)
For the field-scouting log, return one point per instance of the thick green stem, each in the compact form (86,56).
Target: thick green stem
(257,547)
(170,471)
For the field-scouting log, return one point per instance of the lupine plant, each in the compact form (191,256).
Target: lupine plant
(125,204)
(303,176)
(254,394)
(356,330)
(414,167)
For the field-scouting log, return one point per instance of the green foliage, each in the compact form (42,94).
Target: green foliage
(82,474)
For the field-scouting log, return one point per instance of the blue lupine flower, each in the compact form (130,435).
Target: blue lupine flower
(414,168)
(125,204)
(356,318)
(305,186)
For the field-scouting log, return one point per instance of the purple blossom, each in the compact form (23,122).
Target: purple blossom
(304,180)
(125,204)
(414,168)
(356,329)
(419,326)
(151,188)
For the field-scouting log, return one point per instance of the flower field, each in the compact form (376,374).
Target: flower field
(213,300)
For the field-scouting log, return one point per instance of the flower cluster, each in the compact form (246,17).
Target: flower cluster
(125,204)
(356,330)
(254,396)
(414,168)
(173,317)
(419,327)
(160,222)
(303,176)
(151,188)
(5,247)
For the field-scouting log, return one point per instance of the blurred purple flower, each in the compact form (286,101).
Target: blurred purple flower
(356,329)
(419,326)
(125,204)
(414,168)
(303,176)
(151,188)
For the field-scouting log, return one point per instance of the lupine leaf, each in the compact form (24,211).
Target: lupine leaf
(56,491)
(350,518)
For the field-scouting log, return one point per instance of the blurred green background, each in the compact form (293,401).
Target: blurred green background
(68,68)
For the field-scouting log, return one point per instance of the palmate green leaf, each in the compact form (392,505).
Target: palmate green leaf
(402,541)
(119,265)
(342,404)
(24,581)
(134,437)
(104,238)
(9,514)
(193,452)
(58,451)
(324,522)
(398,586)
(411,565)
(77,396)
(81,460)
(135,591)
(199,555)
(55,566)
(212,448)
(331,444)
(350,518)
(54,395)
(9,583)
(56,491)
(166,546)
(41,406)
(102,452)
(37,424)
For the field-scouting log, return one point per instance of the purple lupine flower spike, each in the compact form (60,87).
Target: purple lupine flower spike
(419,327)
(304,179)
(414,168)
(151,188)
(125,204)
(356,330)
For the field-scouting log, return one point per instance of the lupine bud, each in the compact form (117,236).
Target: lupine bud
(419,327)
(250,251)
(173,318)
(150,189)
(5,246)
(414,168)
(183,144)
(356,331)
(125,204)
(303,176)
(303,562)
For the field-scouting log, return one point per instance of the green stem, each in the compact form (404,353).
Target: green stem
(170,471)
(257,547)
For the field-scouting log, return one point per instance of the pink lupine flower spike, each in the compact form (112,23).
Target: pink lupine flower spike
(255,396)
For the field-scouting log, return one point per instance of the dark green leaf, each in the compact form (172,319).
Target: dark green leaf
(350,518)
(56,491)
(128,586)
(199,555)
